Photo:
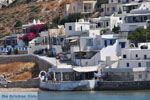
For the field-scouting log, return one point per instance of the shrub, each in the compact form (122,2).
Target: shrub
(116,29)
(16,51)
(9,52)
(19,23)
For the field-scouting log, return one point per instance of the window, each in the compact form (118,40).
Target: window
(139,64)
(145,56)
(113,8)
(136,55)
(112,1)
(107,23)
(89,42)
(128,65)
(108,9)
(123,44)
(81,28)
(118,1)
(70,27)
(140,75)
(146,75)
(124,56)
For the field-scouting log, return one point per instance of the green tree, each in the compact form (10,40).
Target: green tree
(116,29)
(56,20)
(9,52)
(139,35)
(71,18)
(100,2)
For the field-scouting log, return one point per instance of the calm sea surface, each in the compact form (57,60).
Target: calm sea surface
(95,95)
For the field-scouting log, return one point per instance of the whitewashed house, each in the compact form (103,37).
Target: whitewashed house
(133,66)
(85,7)
(92,50)
(5,2)
(119,6)
(107,22)
(137,18)
(81,28)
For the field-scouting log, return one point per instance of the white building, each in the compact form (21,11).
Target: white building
(120,6)
(85,7)
(90,51)
(107,22)
(5,2)
(137,18)
(134,65)
(81,29)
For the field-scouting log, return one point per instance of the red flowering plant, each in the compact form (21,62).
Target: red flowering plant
(34,32)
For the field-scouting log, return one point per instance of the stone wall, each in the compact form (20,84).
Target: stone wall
(123,85)
(42,64)
(30,83)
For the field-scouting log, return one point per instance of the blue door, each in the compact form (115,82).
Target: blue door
(105,43)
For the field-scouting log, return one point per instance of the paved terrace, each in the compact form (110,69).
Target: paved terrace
(57,63)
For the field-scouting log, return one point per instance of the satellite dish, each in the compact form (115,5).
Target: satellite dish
(132,45)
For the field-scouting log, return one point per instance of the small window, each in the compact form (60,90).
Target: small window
(124,56)
(139,64)
(70,27)
(107,23)
(140,75)
(146,75)
(108,9)
(123,44)
(128,65)
(136,55)
(113,9)
(145,56)
(81,28)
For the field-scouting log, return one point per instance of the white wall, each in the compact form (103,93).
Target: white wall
(131,53)
(76,28)
(143,74)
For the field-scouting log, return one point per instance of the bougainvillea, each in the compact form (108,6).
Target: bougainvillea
(34,32)
(36,28)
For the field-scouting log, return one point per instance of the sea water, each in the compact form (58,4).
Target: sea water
(95,95)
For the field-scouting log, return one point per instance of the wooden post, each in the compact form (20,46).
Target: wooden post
(61,76)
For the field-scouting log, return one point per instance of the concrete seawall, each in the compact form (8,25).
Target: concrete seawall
(42,64)
(123,85)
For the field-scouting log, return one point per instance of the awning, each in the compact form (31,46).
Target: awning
(73,41)
(86,69)
(72,37)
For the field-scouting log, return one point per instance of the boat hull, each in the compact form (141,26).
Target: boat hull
(69,85)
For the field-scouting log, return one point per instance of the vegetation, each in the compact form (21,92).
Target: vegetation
(99,2)
(19,23)
(70,18)
(9,52)
(116,29)
(16,51)
(140,35)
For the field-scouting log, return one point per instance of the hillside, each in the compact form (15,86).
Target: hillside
(18,71)
(27,11)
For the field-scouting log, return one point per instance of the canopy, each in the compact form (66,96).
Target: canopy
(86,69)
